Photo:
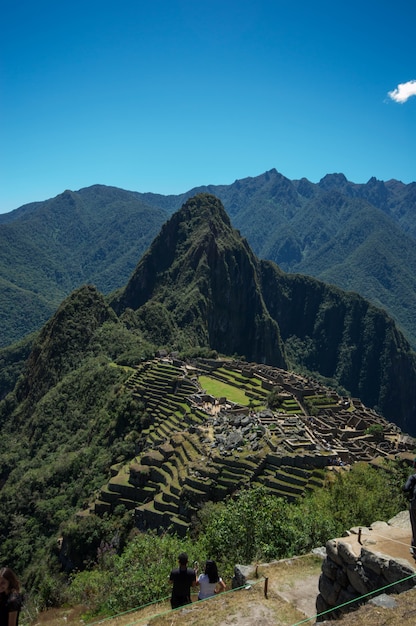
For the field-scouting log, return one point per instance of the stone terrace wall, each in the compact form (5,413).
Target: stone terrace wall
(347,577)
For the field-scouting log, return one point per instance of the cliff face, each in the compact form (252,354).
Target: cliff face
(344,337)
(216,292)
(205,274)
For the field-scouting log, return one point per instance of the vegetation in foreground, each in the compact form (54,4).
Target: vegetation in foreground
(251,526)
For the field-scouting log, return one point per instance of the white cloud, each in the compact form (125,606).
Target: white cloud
(403,91)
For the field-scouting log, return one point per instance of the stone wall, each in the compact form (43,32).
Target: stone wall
(348,580)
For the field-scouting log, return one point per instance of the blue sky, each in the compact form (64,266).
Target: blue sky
(166,95)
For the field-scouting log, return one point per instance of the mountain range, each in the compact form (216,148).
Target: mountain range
(199,285)
(360,237)
(67,414)
(200,280)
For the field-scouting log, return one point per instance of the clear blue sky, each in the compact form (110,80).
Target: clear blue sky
(166,95)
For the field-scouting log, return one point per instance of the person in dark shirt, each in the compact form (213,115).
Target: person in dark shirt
(182,579)
(410,490)
(10,598)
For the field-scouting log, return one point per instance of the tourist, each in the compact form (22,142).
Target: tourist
(10,598)
(182,579)
(209,582)
(410,490)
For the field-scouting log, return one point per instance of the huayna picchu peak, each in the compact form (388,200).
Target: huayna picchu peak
(204,274)
(204,277)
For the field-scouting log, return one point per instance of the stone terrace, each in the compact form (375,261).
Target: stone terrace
(198,448)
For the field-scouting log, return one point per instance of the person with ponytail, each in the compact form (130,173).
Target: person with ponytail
(10,598)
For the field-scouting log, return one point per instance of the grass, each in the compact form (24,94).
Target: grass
(219,389)
(290,583)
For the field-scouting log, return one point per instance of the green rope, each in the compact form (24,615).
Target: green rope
(185,605)
(365,595)
(138,608)
(252,583)
(159,601)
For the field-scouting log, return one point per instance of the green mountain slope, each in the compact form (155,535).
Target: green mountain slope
(220,296)
(64,423)
(359,237)
(86,407)
(48,249)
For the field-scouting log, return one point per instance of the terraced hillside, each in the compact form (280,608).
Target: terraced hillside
(210,432)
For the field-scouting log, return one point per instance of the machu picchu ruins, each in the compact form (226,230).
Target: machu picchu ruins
(194,447)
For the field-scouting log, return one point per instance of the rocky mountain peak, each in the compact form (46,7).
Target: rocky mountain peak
(333,182)
(202,271)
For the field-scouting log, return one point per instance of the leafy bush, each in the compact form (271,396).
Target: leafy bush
(252,525)
(140,575)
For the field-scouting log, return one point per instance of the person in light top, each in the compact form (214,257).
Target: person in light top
(209,582)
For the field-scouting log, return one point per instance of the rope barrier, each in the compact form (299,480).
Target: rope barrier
(174,611)
(164,599)
(253,583)
(365,595)
(138,608)
(373,534)
(303,621)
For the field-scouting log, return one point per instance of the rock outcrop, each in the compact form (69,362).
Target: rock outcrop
(354,569)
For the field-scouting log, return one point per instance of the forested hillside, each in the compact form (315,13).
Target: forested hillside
(47,249)
(360,237)
(89,419)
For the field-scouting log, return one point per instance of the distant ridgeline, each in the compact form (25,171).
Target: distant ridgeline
(360,237)
(197,447)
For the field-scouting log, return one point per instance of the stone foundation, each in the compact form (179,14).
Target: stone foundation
(348,580)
